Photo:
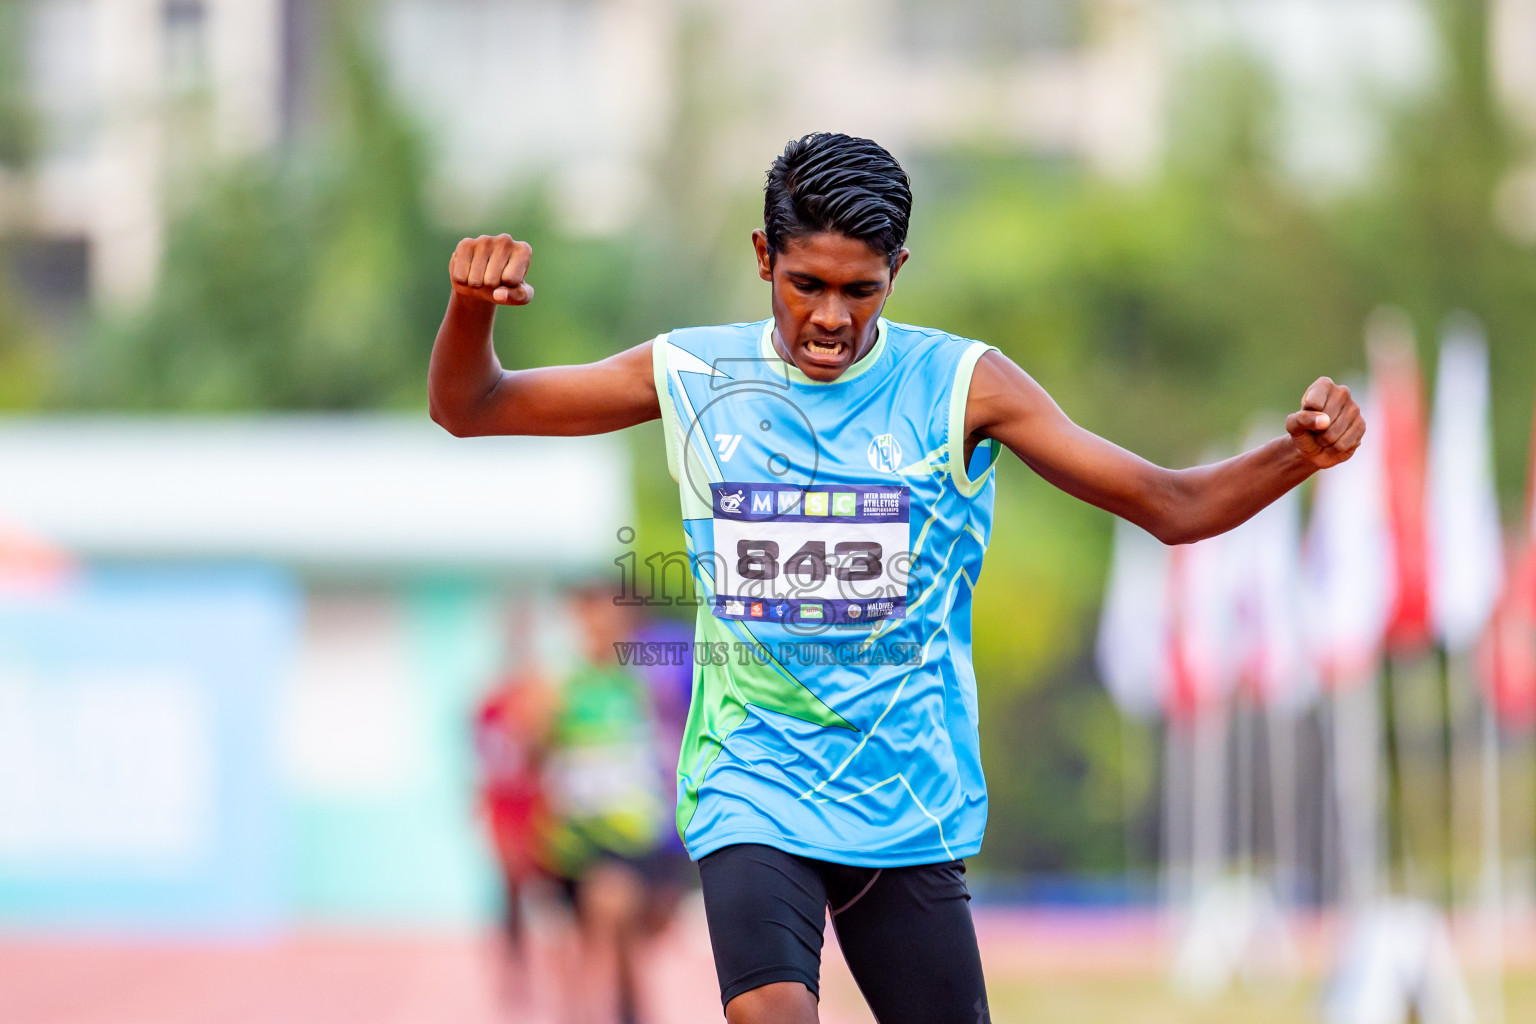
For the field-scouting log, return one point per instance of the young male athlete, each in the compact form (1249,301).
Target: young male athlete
(835,474)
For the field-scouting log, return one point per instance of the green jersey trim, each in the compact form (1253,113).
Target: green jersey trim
(793,373)
(721,698)
(669,427)
(688,453)
(958,396)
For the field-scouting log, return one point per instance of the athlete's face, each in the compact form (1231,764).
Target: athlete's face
(828,290)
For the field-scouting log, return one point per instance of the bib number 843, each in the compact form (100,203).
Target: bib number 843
(855,561)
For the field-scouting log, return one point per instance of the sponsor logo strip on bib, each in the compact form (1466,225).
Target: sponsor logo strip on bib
(823,555)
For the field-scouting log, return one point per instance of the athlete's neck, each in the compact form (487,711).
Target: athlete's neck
(866,345)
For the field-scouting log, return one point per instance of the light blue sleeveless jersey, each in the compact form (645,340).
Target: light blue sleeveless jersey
(835,536)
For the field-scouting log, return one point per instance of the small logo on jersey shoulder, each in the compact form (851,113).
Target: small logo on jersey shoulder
(726,444)
(885,454)
(731,503)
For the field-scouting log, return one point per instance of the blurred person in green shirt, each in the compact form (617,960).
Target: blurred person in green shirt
(607,811)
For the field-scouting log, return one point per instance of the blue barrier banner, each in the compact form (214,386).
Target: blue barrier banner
(138,781)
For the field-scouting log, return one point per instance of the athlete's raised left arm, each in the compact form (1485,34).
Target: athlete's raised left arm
(1175,506)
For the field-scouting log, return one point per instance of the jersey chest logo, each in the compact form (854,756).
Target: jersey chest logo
(885,454)
(726,444)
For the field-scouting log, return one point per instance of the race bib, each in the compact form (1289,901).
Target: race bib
(593,781)
(836,555)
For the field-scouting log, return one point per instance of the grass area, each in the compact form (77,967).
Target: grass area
(1147,998)
(1142,1000)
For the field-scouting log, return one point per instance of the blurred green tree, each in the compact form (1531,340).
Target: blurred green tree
(311,278)
(21,346)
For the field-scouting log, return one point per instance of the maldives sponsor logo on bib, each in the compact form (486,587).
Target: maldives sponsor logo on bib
(885,454)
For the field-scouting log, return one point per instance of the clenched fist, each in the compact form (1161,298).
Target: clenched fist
(1328,427)
(491,268)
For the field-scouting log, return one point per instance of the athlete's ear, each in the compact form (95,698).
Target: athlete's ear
(764,257)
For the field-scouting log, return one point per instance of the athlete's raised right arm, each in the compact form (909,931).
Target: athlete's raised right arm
(470,394)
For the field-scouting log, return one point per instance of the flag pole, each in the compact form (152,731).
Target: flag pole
(1329,874)
(1467,556)
(1280,733)
(1396,682)
(1356,743)
(1243,722)
(1492,882)
(1176,866)
(1128,801)
(1208,761)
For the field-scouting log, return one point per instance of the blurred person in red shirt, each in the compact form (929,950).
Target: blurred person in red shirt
(510,735)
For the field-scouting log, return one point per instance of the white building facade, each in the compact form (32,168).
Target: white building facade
(594,96)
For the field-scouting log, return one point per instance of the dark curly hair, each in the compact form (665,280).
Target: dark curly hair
(828,182)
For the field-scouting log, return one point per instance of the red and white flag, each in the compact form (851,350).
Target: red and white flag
(1507,654)
(1264,586)
(1201,664)
(1132,648)
(1465,542)
(1347,564)
(1398,389)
